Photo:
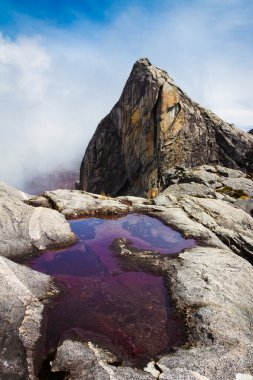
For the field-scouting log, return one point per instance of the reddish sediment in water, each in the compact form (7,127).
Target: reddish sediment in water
(127,312)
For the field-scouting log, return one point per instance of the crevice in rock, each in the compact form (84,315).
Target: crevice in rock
(158,369)
(237,247)
(155,114)
(46,373)
(116,363)
(154,369)
(38,201)
(157,141)
(51,202)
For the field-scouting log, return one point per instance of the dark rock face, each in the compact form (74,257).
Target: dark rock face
(251,131)
(153,127)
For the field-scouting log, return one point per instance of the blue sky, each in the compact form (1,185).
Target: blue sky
(63,65)
(67,12)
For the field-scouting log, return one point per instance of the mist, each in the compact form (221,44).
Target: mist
(57,83)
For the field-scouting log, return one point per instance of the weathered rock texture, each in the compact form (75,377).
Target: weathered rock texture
(22,291)
(209,284)
(214,288)
(219,323)
(154,127)
(75,203)
(25,229)
(6,190)
(219,341)
(87,361)
(213,204)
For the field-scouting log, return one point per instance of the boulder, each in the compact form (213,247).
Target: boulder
(211,182)
(25,230)
(215,287)
(87,361)
(21,293)
(192,189)
(154,127)
(75,203)
(211,176)
(6,190)
(234,227)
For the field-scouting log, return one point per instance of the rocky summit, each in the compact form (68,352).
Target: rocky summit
(210,285)
(154,127)
(190,170)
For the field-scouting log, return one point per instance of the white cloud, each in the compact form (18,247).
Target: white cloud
(56,87)
(49,108)
(25,63)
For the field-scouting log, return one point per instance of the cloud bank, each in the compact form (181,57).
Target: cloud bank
(56,84)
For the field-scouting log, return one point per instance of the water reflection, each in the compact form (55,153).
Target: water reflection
(126,311)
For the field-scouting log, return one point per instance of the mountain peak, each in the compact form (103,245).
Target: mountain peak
(154,127)
(143,66)
(143,61)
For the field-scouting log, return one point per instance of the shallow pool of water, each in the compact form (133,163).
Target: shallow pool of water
(126,311)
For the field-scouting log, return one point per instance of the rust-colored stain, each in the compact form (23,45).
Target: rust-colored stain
(178,123)
(169,98)
(149,144)
(152,193)
(135,117)
(171,135)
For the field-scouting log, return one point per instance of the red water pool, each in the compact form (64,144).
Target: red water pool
(127,312)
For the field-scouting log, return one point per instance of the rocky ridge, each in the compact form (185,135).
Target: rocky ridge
(21,309)
(154,127)
(194,171)
(210,284)
(24,230)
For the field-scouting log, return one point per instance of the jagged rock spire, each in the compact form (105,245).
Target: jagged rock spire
(153,127)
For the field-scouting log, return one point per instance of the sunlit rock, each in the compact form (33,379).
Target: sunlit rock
(25,230)
(152,128)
